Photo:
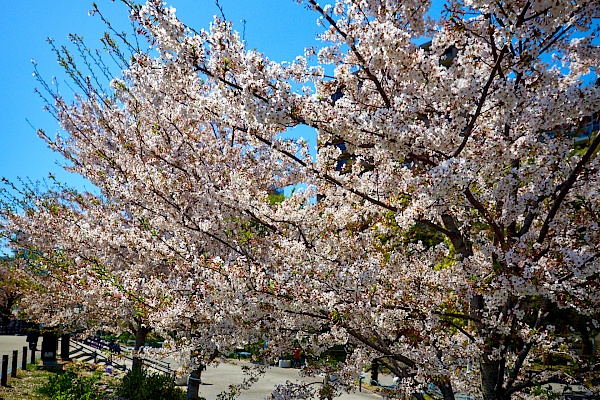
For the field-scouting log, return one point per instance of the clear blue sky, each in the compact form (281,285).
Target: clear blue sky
(279,28)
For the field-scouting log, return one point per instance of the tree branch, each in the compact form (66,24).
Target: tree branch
(484,93)
(566,186)
(486,215)
(361,59)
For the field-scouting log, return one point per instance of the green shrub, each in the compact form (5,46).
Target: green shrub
(70,386)
(32,367)
(141,385)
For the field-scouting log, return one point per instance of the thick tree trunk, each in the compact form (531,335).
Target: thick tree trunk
(141,334)
(587,347)
(489,379)
(447,391)
(194,382)
(375,371)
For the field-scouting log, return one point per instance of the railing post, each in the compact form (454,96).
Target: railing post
(4,378)
(49,347)
(15,360)
(24,359)
(64,346)
(32,361)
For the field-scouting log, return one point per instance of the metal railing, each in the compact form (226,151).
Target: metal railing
(15,364)
(99,348)
(95,353)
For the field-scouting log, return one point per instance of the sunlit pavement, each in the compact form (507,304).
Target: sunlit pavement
(8,343)
(217,379)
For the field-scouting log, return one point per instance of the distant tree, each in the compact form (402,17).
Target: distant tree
(13,285)
(92,266)
(75,285)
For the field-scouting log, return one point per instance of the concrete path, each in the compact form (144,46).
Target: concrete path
(217,379)
(8,343)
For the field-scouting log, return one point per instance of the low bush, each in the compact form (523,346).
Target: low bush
(71,386)
(141,385)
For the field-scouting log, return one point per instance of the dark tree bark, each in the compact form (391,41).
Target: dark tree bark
(194,382)
(141,334)
(375,371)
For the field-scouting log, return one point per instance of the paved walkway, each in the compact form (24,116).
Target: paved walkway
(217,379)
(8,343)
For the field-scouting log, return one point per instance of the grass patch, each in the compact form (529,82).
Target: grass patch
(26,385)
(78,381)
(143,385)
(82,381)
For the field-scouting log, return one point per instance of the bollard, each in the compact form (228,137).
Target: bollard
(15,360)
(49,346)
(32,361)
(24,359)
(4,378)
(64,346)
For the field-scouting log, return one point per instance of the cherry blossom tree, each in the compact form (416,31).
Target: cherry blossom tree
(462,225)
(89,262)
(96,268)
(14,284)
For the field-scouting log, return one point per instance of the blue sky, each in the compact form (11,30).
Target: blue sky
(279,28)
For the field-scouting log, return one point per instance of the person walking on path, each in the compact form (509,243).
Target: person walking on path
(297,357)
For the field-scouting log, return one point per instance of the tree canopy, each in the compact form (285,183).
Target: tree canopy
(463,224)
